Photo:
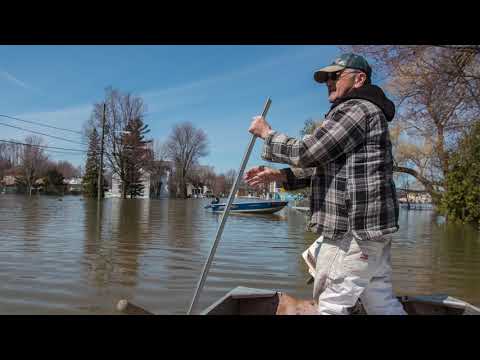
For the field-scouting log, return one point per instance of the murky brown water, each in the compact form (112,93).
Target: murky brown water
(56,257)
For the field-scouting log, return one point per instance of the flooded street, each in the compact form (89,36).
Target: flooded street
(63,256)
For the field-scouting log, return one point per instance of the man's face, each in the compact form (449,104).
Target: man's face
(340,83)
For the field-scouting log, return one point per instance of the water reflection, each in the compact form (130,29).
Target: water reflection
(430,256)
(130,231)
(114,245)
(97,259)
(33,216)
(181,215)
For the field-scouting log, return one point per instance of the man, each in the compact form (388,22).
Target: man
(348,163)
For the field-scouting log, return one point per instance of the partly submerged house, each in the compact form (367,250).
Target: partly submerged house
(194,191)
(8,184)
(74,185)
(155,184)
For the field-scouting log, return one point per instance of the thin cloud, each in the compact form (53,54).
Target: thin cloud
(16,81)
(72,117)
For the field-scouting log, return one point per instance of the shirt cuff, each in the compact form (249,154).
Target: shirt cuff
(267,146)
(269,137)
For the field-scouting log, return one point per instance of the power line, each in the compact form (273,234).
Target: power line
(55,152)
(64,152)
(40,124)
(42,146)
(40,133)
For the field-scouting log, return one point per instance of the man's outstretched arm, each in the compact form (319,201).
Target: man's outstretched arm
(290,178)
(337,136)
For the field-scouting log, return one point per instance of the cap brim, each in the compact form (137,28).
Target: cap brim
(321,75)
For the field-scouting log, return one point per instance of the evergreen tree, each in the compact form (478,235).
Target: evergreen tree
(54,184)
(137,156)
(461,201)
(90,179)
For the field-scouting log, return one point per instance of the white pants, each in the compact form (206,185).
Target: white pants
(348,269)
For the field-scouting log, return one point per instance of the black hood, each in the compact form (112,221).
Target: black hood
(373,94)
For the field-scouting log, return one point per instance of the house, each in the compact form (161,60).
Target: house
(73,185)
(39,185)
(116,190)
(8,185)
(414,194)
(155,185)
(207,192)
(8,180)
(194,191)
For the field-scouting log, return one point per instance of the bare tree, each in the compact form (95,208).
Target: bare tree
(4,165)
(157,166)
(159,150)
(5,162)
(67,169)
(10,153)
(219,187)
(230,176)
(202,175)
(185,146)
(123,110)
(207,176)
(194,176)
(437,92)
(33,161)
(222,183)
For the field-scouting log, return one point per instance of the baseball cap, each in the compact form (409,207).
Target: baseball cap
(344,61)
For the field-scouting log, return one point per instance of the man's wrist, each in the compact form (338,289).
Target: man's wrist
(268,134)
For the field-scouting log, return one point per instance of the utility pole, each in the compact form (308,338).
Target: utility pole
(100,172)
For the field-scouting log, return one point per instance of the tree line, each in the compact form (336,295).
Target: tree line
(28,163)
(129,154)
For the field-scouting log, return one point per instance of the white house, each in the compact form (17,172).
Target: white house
(145,179)
(194,191)
(73,184)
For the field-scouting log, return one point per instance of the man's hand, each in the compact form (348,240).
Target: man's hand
(260,175)
(259,127)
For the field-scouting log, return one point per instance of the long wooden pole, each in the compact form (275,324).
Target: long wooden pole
(226,211)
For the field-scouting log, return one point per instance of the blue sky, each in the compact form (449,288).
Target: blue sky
(217,88)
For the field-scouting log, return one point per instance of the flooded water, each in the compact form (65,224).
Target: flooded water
(63,256)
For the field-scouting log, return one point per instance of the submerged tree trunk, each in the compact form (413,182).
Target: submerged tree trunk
(406,195)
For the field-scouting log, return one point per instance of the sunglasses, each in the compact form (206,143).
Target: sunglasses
(335,76)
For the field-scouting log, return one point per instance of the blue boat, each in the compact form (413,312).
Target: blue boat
(258,207)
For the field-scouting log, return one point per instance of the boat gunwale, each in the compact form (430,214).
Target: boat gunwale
(241,292)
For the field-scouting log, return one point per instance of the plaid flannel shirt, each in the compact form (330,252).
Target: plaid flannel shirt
(348,163)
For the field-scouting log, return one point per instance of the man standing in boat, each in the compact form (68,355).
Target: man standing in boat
(348,164)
